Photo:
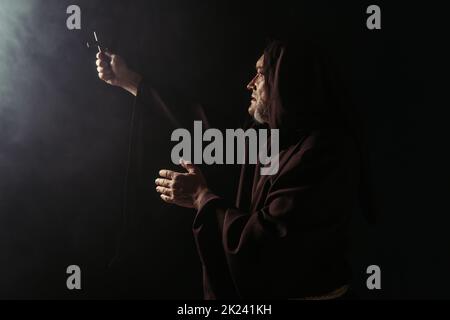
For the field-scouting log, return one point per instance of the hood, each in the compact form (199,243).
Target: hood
(303,88)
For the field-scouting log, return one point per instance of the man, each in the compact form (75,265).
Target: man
(285,237)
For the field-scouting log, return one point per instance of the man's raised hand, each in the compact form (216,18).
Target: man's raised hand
(113,70)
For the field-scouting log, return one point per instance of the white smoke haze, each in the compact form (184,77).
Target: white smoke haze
(15,32)
(30,34)
(49,137)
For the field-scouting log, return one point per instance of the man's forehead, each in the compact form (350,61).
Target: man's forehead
(260,62)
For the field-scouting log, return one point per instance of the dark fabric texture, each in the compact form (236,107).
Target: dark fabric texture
(292,241)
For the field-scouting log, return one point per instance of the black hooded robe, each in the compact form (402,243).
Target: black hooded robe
(286,235)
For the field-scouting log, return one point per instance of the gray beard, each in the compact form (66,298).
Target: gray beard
(261,113)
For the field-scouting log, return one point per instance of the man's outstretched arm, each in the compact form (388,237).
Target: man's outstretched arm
(165,100)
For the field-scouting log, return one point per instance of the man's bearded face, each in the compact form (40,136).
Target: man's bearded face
(258,108)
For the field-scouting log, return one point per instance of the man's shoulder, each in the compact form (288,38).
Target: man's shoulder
(313,139)
(329,138)
(318,146)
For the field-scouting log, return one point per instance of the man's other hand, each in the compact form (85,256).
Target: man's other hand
(183,189)
(113,70)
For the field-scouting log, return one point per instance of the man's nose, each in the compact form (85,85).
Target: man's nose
(251,84)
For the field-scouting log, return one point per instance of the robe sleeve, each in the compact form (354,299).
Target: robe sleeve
(158,110)
(291,245)
(149,228)
(169,104)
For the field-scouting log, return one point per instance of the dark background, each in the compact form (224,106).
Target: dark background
(64,133)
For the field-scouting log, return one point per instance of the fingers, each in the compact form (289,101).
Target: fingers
(106,76)
(167,174)
(102,63)
(111,58)
(101,56)
(188,166)
(166,199)
(165,186)
(105,55)
(165,191)
(104,70)
(164,183)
